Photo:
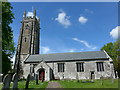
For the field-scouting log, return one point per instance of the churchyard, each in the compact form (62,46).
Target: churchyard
(105,83)
(32,84)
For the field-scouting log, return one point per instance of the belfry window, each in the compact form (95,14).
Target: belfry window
(60,67)
(27,26)
(25,39)
(100,66)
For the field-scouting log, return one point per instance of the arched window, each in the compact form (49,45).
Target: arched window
(26,26)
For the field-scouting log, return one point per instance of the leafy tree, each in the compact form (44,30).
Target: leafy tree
(113,49)
(7,37)
(116,57)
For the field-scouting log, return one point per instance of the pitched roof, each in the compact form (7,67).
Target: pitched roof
(67,56)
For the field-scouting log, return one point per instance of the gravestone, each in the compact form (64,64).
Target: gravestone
(63,76)
(112,79)
(77,77)
(42,79)
(15,81)
(36,79)
(101,80)
(6,81)
(27,81)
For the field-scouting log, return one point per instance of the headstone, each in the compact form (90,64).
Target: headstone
(77,77)
(6,81)
(101,80)
(15,81)
(42,79)
(36,79)
(63,76)
(112,79)
(93,77)
(27,81)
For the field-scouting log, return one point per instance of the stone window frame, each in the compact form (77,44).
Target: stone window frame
(61,67)
(80,66)
(100,66)
(27,25)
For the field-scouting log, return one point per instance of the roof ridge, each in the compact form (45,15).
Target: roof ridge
(68,53)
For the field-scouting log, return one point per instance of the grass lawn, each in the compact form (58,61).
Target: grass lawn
(32,84)
(97,84)
(0,86)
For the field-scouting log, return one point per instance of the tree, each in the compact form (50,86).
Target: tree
(116,58)
(113,50)
(7,37)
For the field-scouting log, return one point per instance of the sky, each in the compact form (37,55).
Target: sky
(63,0)
(70,27)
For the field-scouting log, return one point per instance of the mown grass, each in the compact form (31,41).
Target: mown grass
(96,84)
(32,84)
(71,84)
(0,86)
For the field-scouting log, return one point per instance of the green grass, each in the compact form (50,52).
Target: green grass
(0,86)
(97,84)
(71,84)
(32,84)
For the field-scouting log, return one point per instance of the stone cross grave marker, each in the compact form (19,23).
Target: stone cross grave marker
(27,81)
(6,81)
(15,81)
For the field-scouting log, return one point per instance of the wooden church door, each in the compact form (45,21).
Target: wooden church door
(41,75)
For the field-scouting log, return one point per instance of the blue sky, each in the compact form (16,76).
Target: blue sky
(70,27)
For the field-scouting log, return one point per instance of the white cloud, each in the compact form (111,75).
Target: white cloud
(88,11)
(13,59)
(85,43)
(63,19)
(115,33)
(45,50)
(82,20)
(30,14)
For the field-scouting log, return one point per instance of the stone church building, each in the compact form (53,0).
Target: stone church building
(79,65)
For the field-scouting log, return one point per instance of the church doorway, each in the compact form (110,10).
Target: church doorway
(42,74)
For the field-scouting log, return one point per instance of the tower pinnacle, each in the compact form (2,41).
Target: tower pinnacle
(24,14)
(35,12)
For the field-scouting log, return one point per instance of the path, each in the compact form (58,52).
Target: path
(54,84)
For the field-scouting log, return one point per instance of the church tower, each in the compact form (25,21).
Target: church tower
(28,42)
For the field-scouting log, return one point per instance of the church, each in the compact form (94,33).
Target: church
(56,66)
